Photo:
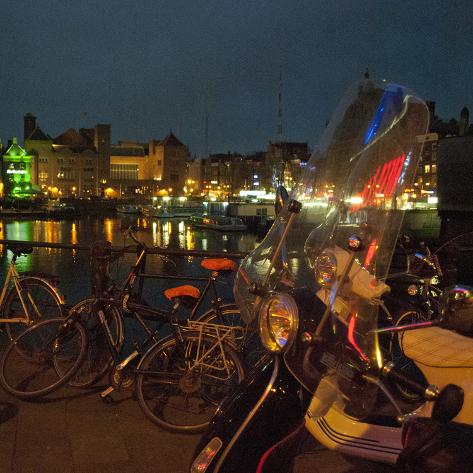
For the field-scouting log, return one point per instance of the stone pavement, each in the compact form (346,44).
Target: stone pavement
(74,431)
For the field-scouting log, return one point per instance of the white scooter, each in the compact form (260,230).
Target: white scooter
(313,289)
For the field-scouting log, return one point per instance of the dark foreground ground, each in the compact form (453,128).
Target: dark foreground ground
(75,431)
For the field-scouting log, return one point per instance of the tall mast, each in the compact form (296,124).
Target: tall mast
(206,133)
(280,135)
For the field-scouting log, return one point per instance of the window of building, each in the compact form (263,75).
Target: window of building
(159,162)
(427,169)
(434,168)
(124,171)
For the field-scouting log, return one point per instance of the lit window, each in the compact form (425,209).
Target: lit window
(427,169)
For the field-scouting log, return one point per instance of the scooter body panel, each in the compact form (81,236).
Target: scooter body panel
(338,431)
(265,409)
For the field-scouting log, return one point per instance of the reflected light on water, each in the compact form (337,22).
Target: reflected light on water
(154,229)
(74,234)
(108,227)
(2,236)
(190,242)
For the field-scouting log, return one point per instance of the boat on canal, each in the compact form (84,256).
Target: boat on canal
(129,209)
(218,222)
(58,209)
(152,211)
(159,211)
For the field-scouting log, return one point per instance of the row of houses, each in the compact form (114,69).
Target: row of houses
(84,163)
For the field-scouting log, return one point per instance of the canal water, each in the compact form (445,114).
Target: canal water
(72,266)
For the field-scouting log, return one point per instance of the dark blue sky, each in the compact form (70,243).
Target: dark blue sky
(148,66)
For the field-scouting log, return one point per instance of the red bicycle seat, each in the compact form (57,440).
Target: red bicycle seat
(219,264)
(180,291)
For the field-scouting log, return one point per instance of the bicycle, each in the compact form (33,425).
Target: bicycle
(206,354)
(30,298)
(117,303)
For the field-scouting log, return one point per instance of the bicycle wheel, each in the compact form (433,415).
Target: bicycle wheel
(41,302)
(230,315)
(47,344)
(179,385)
(101,342)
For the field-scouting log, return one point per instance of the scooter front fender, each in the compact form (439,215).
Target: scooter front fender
(254,423)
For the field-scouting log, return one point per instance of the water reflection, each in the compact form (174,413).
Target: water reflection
(73,266)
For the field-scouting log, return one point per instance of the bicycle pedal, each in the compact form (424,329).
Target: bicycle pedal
(107,392)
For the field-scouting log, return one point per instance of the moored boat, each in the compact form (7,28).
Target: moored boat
(157,212)
(218,222)
(129,209)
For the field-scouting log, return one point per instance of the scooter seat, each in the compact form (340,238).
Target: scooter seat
(437,347)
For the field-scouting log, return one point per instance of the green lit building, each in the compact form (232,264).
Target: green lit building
(16,172)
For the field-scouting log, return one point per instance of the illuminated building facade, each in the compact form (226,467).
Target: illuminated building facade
(159,166)
(285,161)
(17,170)
(85,163)
(75,163)
(424,191)
(225,175)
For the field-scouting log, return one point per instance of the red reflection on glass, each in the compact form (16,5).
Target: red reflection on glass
(370,253)
(382,184)
(351,337)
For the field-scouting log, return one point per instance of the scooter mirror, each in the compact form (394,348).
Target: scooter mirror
(354,242)
(281,198)
(448,403)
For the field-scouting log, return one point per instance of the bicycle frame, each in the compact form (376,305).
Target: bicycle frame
(12,275)
(141,312)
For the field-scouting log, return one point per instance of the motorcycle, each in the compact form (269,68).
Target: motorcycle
(314,290)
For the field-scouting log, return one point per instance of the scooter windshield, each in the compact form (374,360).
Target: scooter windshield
(334,253)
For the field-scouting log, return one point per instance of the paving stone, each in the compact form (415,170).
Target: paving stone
(93,448)
(51,452)
(8,417)
(41,418)
(81,434)
(7,449)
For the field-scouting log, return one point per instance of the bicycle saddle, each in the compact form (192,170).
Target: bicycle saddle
(19,250)
(218,264)
(182,291)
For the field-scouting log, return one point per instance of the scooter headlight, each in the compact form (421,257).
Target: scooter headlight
(325,269)
(278,322)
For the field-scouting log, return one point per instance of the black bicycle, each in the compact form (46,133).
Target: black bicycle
(194,367)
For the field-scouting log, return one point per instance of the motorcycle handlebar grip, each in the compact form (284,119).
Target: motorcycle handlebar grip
(428,391)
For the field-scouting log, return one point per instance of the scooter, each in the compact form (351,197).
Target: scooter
(314,288)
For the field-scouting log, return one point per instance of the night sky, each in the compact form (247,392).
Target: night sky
(150,66)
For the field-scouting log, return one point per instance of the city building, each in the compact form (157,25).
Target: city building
(285,161)
(86,163)
(424,191)
(17,172)
(228,175)
(75,163)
